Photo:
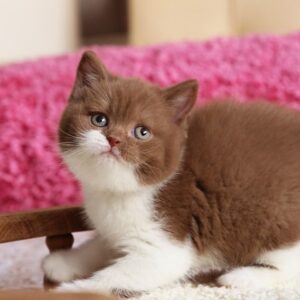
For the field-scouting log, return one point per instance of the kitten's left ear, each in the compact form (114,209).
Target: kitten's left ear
(181,97)
(90,72)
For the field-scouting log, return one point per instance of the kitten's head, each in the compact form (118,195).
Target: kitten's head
(123,134)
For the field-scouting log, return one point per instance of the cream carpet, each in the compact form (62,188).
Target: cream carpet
(20,268)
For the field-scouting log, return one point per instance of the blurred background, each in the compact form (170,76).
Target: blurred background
(34,28)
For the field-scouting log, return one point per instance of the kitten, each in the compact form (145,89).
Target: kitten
(173,194)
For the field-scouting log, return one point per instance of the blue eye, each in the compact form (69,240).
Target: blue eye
(99,119)
(142,133)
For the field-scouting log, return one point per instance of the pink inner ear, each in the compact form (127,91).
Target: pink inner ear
(183,107)
(182,98)
(90,78)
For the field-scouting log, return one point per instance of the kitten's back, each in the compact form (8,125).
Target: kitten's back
(257,136)
(245,161)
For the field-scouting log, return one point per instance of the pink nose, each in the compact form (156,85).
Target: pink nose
(113,141)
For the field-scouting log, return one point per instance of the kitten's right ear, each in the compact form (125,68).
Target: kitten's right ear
(89,73)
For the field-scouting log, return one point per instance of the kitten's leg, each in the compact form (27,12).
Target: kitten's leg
(141,270)
(282,267)
(66,265)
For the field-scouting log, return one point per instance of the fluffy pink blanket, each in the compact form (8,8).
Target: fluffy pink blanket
(33,95)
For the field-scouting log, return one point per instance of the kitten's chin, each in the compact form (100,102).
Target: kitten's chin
(105,171)
(112,154)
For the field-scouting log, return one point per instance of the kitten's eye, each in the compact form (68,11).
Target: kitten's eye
(142,133)
(99,120)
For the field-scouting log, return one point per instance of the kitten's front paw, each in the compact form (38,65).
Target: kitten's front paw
(57,268)
(234,279)
(69,287)
(92,286)
(248,278)
(84,285)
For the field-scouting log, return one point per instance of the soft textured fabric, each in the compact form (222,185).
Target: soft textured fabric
(33,95)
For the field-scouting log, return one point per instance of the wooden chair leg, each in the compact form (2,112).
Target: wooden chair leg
(54,243)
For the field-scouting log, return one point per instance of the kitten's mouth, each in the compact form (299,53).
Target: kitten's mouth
(113,152)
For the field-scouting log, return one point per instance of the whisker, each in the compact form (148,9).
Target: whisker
(67,133)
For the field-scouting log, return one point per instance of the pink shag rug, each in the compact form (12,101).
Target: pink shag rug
(33,95)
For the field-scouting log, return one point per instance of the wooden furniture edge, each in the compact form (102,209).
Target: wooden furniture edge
(42,295)
(48,222)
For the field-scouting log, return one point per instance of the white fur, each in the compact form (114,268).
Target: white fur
(67,265)
(98,170)
(121,210)
(153,259)
(286,268)
(124,221)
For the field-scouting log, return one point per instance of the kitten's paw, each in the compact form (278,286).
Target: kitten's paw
(57,268)
(85,285)
(74,286)
(95,286)
(248,277)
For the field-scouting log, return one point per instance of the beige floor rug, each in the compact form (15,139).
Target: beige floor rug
(20,268)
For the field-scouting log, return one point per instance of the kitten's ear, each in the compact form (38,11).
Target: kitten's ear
(90,71)
(181,97)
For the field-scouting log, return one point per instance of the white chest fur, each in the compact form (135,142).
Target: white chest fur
(123,218)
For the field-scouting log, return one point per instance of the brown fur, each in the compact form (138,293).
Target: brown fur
(231,171)
(239,188)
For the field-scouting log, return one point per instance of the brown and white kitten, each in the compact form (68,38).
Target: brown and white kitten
(171,197)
